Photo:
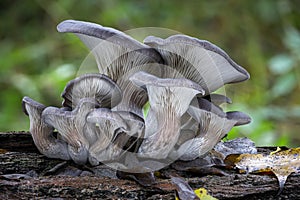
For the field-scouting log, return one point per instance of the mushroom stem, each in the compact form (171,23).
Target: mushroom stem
(42,133)
(169,99)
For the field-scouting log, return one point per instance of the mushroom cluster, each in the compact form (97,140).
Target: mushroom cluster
(103,118)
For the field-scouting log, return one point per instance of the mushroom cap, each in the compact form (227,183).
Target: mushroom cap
(42,133)
(98,86)
(101,114)
(110,40)
(218,99)
(73,128)
(240,117)
(116,129)
(213,125)
(212,128)
(143,79)
(206,105)
(169,99)
(27,101)
(198,60)
(88,29)
(118,56)
(71,124)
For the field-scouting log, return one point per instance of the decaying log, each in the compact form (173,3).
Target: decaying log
(25,173)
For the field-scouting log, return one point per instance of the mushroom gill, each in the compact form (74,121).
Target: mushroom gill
(42,133)
(115,130)
(97,86)
(118,56)
(102,116)
(213,125)
(198,60)
(73,127)
(169,99)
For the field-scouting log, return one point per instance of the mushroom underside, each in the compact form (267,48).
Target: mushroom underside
(102,121)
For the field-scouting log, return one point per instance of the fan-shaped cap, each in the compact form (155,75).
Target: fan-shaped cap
(214,124)
(118,56)
(169,99)
(100,87)
(116,128)
(198,60)
(240,117)
(113,41)
(73,128)
(42,133)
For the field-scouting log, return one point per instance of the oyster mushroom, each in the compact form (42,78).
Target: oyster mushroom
(190,127)
(118,56)
(218,99)
(73,127)
(214,124)
(115,131)
(240,117)
(42,133)
(169,99)
(198,60)
(97,86)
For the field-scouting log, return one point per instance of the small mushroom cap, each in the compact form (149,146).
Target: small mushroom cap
(214,124)
(142,79)
(206,105)
(198,60)
(119,121)
(73,128)
(240,117)
(102,114)
(28,102)
(71,124)
(97,86)
(42,133)
(218,99)
(169,99)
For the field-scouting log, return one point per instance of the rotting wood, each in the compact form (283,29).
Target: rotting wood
(38,178)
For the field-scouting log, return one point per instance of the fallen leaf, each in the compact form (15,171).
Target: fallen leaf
(203,195)
(281,163)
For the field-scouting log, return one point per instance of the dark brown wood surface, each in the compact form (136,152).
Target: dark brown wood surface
(26,174)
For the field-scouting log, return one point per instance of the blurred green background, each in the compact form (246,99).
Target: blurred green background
(263,36)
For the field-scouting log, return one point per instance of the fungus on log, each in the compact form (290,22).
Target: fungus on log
(73,127)
(42,133)
(169,100)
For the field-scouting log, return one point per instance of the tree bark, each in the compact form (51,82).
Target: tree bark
(25,173)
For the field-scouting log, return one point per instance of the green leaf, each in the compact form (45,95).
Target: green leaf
(281,64)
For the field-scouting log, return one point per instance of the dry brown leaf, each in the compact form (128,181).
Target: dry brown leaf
(281,163)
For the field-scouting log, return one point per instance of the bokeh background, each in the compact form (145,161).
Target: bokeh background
(263,36)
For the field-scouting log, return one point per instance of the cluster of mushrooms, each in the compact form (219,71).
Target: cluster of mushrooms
(103,118)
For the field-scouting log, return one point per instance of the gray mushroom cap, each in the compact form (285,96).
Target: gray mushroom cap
(115,130)
(169,99)
(240,117)
(214,124)
(118,56)
(218,99)
(87,30)
(100,87)
(198,60)
(42,133)
(73,128)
